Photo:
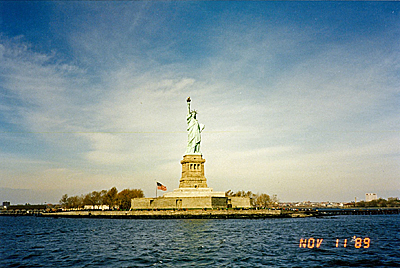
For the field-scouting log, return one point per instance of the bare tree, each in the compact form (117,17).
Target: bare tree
(262,200)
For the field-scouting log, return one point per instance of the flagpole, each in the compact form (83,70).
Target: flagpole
(156,189)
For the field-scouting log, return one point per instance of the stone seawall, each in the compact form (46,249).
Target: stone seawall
(177,214)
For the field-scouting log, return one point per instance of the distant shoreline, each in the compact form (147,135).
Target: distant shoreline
(209,213)
(176,214)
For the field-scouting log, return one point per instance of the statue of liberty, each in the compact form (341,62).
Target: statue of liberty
(194,129)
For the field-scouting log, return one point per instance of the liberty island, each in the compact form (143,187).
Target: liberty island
(194,199)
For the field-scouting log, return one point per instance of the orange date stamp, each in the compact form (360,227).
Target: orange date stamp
(356,242)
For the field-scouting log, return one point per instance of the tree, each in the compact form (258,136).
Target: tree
(382,202)
(125,196)
(110,197)
(360,204)
(87,199)
(103,197)
(64,201)
(71,201)
(75,201)
(393,202)
(262,200)
(229,193)
(241,193)
(274,200)
(93,198)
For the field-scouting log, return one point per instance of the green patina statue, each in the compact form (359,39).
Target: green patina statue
(194,129)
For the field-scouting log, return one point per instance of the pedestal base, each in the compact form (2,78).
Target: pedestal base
(193,172)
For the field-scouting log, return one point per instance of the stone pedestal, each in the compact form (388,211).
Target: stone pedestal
(193,183)
(193,172)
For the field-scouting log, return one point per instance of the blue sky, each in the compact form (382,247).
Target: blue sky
(299,99)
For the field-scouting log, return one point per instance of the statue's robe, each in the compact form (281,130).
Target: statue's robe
(194,129)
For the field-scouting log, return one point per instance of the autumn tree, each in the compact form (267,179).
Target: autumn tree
(274,200)
(125,196)
(71,201)
(75,201)
(393,202)
(227,193)
(262,200)
(93,198)
(240,193)
(360,204)
(64,201)
(259,200)
(104,197)
(110,197)
(243,193)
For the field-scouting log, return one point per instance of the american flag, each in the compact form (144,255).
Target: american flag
(160,186)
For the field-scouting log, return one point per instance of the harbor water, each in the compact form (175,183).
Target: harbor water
(340,241)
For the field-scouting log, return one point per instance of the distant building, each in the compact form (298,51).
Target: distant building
(6,204)
(370,197)
(96,207)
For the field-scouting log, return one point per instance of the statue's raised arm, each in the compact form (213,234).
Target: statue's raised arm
(194,129)
(188,104)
